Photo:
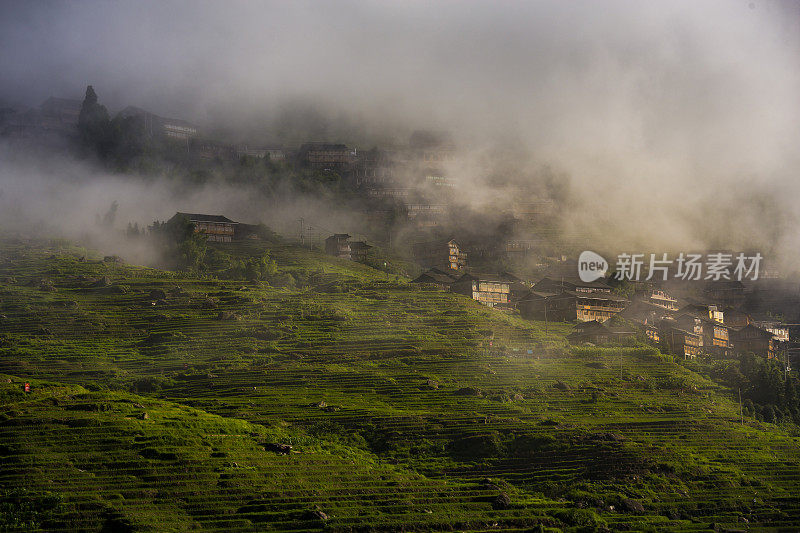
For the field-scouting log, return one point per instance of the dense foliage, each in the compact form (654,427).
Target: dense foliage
(769,392)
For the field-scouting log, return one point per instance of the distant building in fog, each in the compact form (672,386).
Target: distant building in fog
(274,153)
(326,156)
(61,112)
(216,228)
(173,128)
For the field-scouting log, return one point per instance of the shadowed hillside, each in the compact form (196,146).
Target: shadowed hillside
(348,401)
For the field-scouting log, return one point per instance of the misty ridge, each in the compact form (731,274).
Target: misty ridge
(635,128)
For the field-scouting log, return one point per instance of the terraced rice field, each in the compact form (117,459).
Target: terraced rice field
(162,402)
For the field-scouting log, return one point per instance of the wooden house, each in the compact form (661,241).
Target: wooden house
(434,276)
(756,340)
(358,251)
(780,332)
(662,298)
(216,228)
(489,289)
(726,293)
(643,312)
(598,333)
(715,337)
(208,149)
(557,284)
(735,318)
(375,170)
(597,306)
(580,300)
(680,341)
(338,245)
(710,311)
(568,305)
(555,307)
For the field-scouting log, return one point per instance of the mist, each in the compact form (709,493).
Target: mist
(59,196)
(663,120)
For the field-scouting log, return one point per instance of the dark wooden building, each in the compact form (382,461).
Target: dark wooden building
(679,341)
(715,337)
(756,340)
(216,228)
(644,313)
(569,305)
(735,318)
(438,277)
(338,245)
(597,333)
(726,293)
(358,251)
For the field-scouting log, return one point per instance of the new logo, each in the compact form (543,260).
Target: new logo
(591,266)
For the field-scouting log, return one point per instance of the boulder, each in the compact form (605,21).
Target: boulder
(631,506)
(315,514)
(283,449)
(502,501)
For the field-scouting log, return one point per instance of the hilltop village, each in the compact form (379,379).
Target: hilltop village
(509,264)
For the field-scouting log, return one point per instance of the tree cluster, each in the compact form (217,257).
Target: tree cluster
(769,393)
(116,141)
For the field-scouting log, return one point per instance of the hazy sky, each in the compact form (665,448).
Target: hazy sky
(509,62)
(653,109)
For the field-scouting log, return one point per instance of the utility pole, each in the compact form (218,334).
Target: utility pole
(741,409)
(786,361)
(302,233)
(545,319)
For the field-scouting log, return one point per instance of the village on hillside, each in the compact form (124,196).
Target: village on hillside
(709,318)
(715,317)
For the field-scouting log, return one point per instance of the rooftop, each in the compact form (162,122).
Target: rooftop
(199,217)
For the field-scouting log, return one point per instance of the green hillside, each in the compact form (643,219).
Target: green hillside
(165,402)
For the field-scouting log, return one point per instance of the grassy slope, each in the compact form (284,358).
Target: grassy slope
(423,424)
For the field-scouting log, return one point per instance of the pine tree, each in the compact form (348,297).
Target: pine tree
(93,123)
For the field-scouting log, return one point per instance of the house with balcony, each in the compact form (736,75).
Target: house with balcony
(679,341)
(568,305)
